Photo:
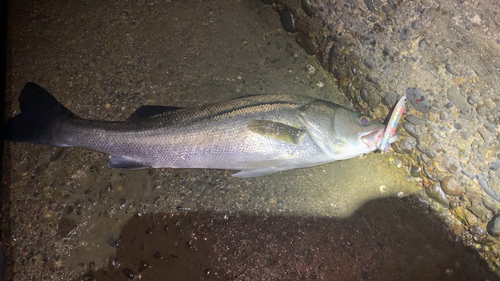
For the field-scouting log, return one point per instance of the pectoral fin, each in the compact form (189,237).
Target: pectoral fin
(276,130)
(123,162)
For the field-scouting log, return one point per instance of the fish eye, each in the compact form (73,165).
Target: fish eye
(364,120)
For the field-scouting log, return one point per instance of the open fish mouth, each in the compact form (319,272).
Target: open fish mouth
(373,138)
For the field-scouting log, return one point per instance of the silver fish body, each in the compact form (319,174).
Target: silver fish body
(257,135)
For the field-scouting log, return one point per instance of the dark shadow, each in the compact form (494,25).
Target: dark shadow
(4,72)
(386,239)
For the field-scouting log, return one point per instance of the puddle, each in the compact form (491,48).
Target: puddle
(386,239)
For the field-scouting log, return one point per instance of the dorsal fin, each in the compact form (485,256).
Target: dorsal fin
(146,111)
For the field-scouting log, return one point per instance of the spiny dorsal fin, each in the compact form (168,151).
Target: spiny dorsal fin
(146,111)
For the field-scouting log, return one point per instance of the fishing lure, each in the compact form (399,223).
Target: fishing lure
(393,124)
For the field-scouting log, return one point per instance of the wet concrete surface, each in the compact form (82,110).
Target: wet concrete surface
(67,216)
(385,239)
(442,56)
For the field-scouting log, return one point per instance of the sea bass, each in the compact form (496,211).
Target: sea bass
(257,135)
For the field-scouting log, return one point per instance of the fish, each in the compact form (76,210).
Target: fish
(255,135)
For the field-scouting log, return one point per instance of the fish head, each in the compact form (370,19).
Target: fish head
(353,134)
(341,133)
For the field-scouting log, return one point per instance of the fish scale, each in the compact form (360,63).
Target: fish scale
(257,135)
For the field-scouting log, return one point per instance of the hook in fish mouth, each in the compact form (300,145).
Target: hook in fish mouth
(373,138)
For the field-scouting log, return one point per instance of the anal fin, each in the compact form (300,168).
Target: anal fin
(255,172)
(123,162)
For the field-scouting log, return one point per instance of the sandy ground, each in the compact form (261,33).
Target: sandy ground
(67,216)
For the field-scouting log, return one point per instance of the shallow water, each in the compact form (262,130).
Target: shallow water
(71,216)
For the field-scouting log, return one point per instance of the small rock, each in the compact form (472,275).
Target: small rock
(422,45)
(493,226)
(481,110)
(369,5)
(415,24)
(465,111)
(367,40)
(483,182)
(431,153)
(371,78)
(495,165)
(451,164)
(288,21)
(65,226)
(489,104)
(143,265)
(306,43)
(396,147)
(408,145)
(454,204)
(374,101)
(450,69)
(472,100)
(333,57)
(307,8)
(477,230)
(457,126)
(415,171)
(405,33)
(369,63)
(410,128)
(129,273)
(427,173)
(471,218)
(354,70)
(391,4)
(363,93)
(389,98)
(457,98)
(490,127)
(435,192)
(478,209)
(389,71)
(414,119)
(490,204)
(421,149)
(418,100)
(311,70)
(464,135)
(386,51)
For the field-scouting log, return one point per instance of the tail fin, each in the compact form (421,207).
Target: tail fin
(39,111)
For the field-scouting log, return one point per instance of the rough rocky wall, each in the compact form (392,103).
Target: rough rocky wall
(444,56)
